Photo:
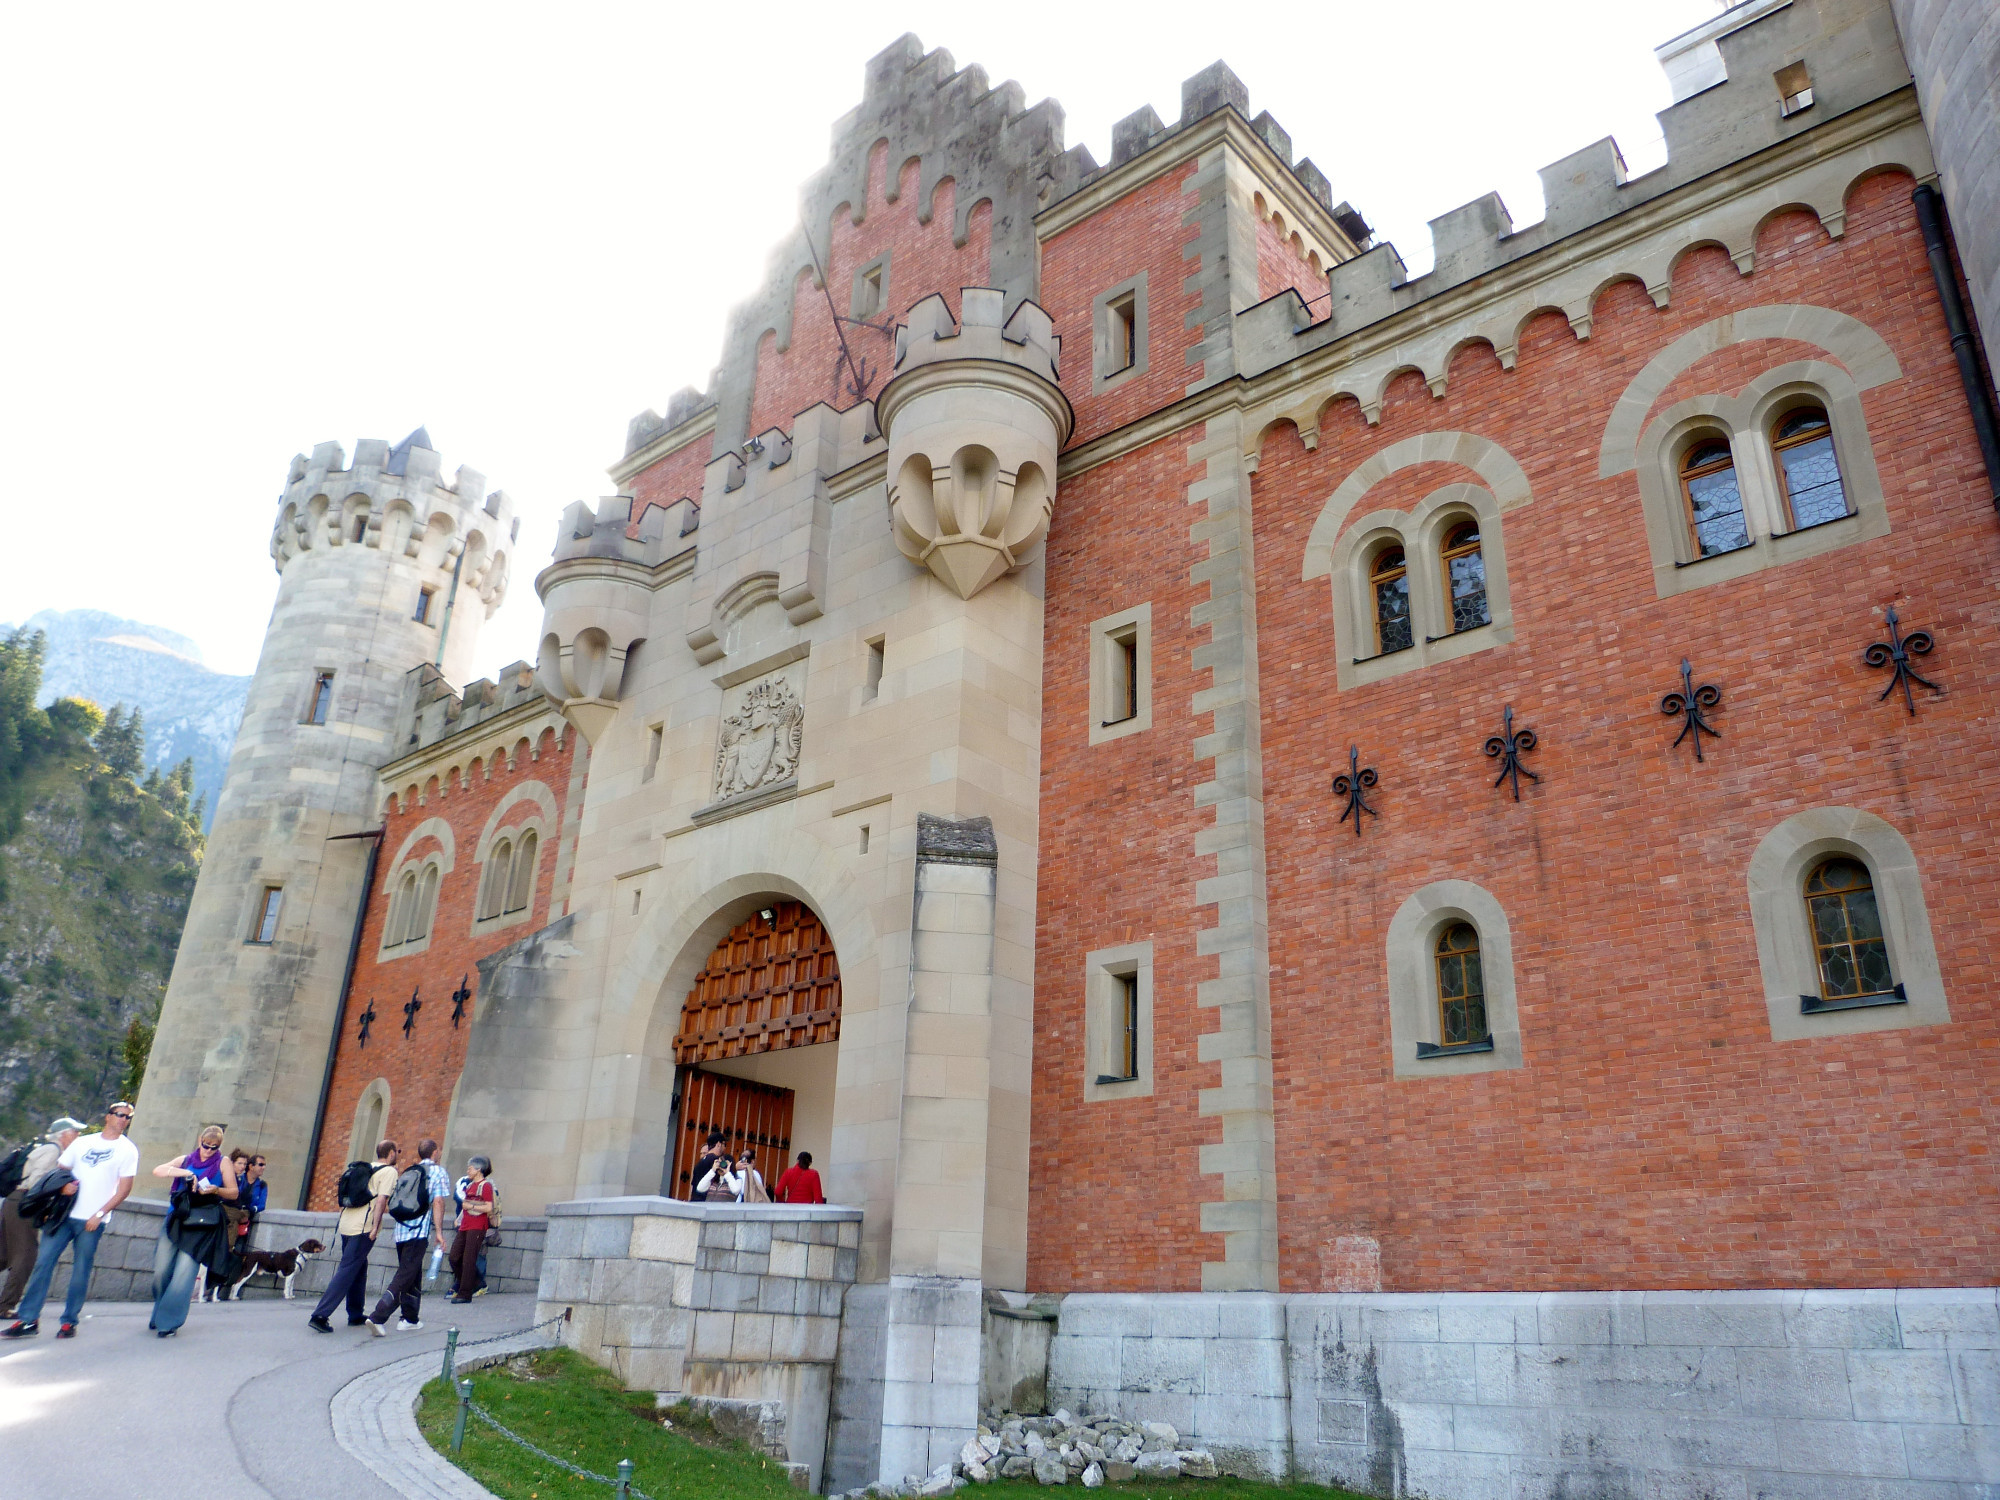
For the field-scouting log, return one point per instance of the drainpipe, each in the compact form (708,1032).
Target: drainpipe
(450,598)
(1978,395)
(374,835)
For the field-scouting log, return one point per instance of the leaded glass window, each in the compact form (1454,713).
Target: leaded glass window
(1465,577)
(1808,467)
(1461,986)
(1847,931)
(1390,578)
(1714,499)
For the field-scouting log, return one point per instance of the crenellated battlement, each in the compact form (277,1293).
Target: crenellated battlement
(985,330)
(395,498)
(432,713)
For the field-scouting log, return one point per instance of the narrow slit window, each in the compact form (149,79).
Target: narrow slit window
(655,738)
(1465,577)
(871,687)
(321,703)
(1122,679)
(423,614)
(1794,88)
(1128,997)
(1461,987)
(1122,326)
(360,528)
(1852,953)
(1714,499)
(1389,580)
(864,839)
(268,907)
(868,298)
(1808,469)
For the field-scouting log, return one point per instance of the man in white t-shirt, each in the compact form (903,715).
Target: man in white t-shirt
(104,1166)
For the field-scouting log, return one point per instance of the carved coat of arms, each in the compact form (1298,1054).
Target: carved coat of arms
(760,740)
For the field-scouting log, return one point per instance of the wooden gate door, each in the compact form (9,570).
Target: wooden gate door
(756,1115)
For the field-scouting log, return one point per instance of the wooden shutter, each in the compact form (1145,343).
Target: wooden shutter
(769,984)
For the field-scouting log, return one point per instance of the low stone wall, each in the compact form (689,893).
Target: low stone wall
(123,1271)
(734,1301)
(1873,1395)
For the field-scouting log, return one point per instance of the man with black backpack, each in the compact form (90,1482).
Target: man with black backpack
(417,1208)
(364,1193)
(19,1238)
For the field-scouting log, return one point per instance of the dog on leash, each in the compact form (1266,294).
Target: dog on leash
(283,1264)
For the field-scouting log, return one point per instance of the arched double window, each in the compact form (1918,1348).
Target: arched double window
(412,908)
(1465,577)
(1808,468)
(1851,953)
(1712,495)
(509,883)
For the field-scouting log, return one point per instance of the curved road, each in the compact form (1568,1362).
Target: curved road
(234,1407)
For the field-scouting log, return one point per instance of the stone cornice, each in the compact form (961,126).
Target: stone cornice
(501,726)
(985,374)
(665,445)
(624,570)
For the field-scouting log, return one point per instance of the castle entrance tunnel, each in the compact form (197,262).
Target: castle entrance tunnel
(755,1052)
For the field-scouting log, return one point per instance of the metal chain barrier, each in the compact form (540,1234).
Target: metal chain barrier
(452,1344)
(622,1484)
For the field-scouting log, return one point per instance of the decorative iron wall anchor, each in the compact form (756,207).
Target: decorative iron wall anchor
(410,1013)
(1510,745)
(1896,652)
(1357,779)
(1688,703)
(458,998)
(367,1020)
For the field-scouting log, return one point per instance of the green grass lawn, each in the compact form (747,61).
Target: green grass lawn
(564,1403)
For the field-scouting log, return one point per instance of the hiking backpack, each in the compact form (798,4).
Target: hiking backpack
(14,1167)
(412,1198)
(354,1184)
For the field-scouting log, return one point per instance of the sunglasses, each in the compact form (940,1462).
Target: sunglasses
(121,1114)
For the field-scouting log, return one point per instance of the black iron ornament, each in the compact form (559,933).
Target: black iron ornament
(1689,703)
(1896,652)
(410,1009)
(1510,745)
(1351,784)
(367,1020)
(458,998)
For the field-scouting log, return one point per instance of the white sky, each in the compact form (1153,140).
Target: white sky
(233,231)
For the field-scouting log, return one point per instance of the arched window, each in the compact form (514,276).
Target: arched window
(1390,580)
(522,889)
(424,907)
(1465,577)
(499,867)
(1461,986)
(400,912)
(1808,470)
(1846,927)
(1714,499)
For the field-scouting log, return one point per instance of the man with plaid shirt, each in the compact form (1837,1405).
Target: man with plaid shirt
(406,1286)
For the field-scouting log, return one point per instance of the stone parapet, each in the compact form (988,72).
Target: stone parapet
(733,1301)
(1531,1396)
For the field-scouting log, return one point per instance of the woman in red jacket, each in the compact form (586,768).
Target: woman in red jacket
(800,1184)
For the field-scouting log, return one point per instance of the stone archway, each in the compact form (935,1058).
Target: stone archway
(770,985)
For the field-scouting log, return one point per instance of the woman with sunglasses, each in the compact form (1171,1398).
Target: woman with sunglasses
(196,1234)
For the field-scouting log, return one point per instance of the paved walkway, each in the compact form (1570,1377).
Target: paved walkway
(237,1406)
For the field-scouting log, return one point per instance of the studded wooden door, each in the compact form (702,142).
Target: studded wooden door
(773,982)
(756,1115)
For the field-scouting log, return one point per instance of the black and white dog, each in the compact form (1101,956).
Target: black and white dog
(283,1264)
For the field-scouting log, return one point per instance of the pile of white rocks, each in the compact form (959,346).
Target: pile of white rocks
(1055,1450)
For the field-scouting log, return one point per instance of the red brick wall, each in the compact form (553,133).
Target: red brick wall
(422,1070)
(1114,1184)
(677,476)
(922,260)
(1143,231)
(1657,1135)
(1279,265)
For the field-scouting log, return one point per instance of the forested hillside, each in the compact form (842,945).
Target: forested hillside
(96,868)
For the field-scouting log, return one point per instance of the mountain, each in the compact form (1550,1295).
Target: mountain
(189,709)
(96,870)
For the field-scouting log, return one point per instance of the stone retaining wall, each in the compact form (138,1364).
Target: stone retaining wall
(123,1271)
(1826,1395)
(735,1301)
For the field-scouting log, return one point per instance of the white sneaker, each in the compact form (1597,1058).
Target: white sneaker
(380,1330)
(404,1325)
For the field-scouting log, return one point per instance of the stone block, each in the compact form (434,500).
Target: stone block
(1250,1315)
(718,1235)
(752,1337)
(1484,1317)
(606,1235)
(1341,1421)
(1949,1317)
(1965,1455)
(1793,1382)
(820,1262)
(1696,1484)
(1190,1317)
(1637,1377)
(1412,1320)
(1843,1320)
(1552,1479)
(754,1236)
(1162,1364)
(847,1235)
(1742,1319)
(1641,1439)
(777,1294)
(822,1339)
(1975,1375)
(1591,1318)
(655,1237)
(1895,1385)
(1442,1374)
(730,1292)
(1849,1449)
(1520,1430)
(714,1334)
(654,1369)
(788,1258)
(1244,1367)
(1096,1313)
(846,1265)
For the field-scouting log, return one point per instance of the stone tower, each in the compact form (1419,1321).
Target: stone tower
(382,567)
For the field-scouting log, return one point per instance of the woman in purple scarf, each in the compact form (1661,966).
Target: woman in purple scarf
(196,1233)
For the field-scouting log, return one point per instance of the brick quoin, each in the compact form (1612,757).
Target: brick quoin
(1657,1136)
(422,1070)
